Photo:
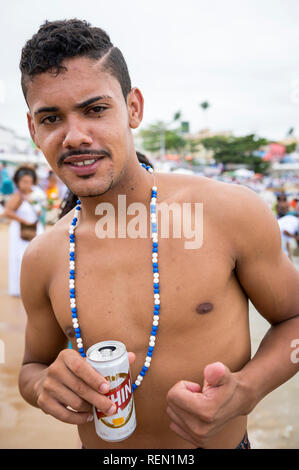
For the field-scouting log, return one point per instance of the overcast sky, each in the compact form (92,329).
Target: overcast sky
(240,55)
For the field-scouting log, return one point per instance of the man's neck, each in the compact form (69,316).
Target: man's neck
(135,184)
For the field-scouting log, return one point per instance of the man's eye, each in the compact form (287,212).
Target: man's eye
(49,119)
(98,109)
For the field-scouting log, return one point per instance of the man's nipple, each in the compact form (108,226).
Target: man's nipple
(205,307)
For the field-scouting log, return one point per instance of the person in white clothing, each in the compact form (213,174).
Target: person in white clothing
(289,228)
(24,213)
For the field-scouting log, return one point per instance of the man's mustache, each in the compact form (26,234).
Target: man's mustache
(71,153)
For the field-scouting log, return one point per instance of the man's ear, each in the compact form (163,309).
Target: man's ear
(32,129)
(135,107)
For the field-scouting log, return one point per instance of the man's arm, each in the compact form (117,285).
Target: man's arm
(272,284)
(53,378)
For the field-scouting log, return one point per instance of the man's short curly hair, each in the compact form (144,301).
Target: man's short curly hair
(58,40)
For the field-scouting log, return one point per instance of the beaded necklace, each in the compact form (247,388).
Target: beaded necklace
(154,236)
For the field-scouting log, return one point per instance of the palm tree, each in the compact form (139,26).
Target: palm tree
(205,105)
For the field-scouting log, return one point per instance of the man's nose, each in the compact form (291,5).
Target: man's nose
(76,135)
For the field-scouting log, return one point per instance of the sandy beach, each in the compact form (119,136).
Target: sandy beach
(274,423)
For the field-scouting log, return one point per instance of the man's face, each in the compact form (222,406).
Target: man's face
(82,123)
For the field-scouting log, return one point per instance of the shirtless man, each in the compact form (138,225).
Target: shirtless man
(202,382)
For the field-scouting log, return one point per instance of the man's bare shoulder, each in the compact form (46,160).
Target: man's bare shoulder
(43,251)
(195,188)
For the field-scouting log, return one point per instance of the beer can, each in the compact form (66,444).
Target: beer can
(110,359)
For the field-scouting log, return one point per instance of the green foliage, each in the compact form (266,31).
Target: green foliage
(238,150)
(162,135)
(291,147)
(204,105)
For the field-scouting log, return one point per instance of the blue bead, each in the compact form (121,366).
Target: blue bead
(155,270)
(142,373)
(155,265)
(78,208)
(144,369)
(77,335)
(155,245)
(72,276)
(74,310)
(134,386)
(151,349)
(77,330)
(81,350)
(149,353)
(75,219)
(153,333)
(156,291)
(72,291)
(72,271)
(157,307)
(73,223)
(83,354)
(74,315)
(155,250)
(72,296)
(72,253)
(78,202)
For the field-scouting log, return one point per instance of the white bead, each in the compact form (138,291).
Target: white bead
(153,338)
(79,340)
(157,302)
(155,323)
(140,378)
(72,263)
(156,317)
(151,343)
(76,325)
(74,320)
(156,296)
(154,188)
(71,230)
(150,170)
(147,364)
(148,359)
(137,382)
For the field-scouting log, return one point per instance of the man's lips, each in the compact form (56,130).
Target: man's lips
(83,165)
(82,158)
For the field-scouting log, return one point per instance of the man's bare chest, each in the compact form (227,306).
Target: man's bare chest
(114,288)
